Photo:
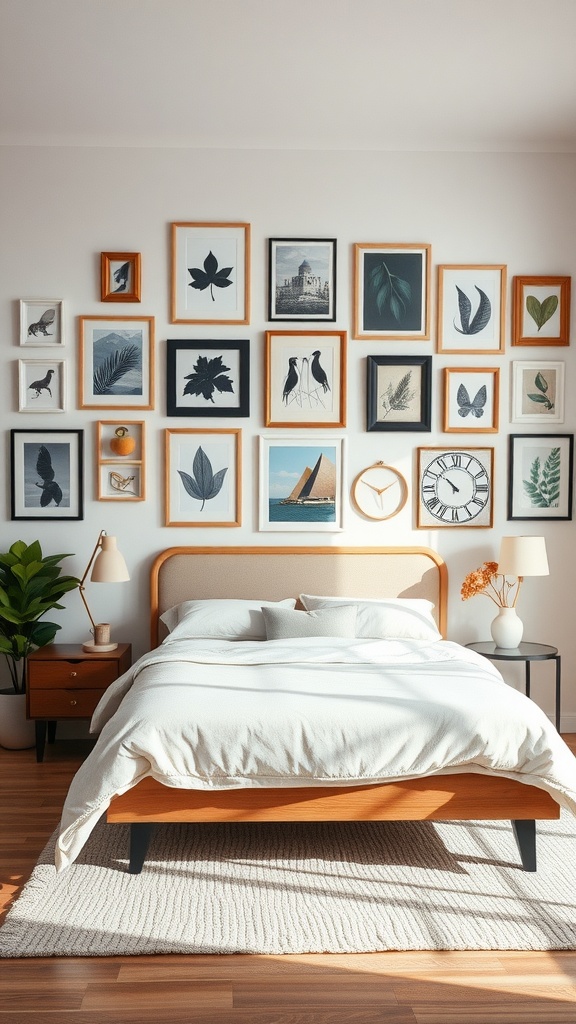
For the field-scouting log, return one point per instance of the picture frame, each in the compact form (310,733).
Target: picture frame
(121,460)
(207,378)
(305,374)
(210,273)
(455,487)
(472,305)
(41,385)
(471,399)
(392,291)
(399,393)
(291,465)
(41,322)
(537,392)
(540,476)
(302,279)
(541,311)
(46,474)
(203,474)
(116,362)
(120,276)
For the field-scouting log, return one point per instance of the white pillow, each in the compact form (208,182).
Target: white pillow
(399,618)
(335,622)
(219,619)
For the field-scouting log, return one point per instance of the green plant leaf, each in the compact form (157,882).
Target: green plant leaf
(541,311)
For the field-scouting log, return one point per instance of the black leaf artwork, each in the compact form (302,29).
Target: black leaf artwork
(208,377)
(210,276)
(51,490)
(114,367)
(474,406)
(41,325)
(390,291)
(481,316)
(205,484)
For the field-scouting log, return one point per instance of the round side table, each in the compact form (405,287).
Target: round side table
(527,653)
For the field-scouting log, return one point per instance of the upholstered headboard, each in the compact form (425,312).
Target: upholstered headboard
(270,574)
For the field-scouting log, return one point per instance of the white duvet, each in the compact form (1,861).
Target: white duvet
(212,714)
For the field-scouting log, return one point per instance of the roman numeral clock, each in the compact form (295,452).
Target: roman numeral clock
(455,487)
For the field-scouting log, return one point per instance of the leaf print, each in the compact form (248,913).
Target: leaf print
(114,367)
(390,290)
(205,484)
(541,399)
(210,276)
(398,398)
(481,317)
(541,311)
(207,378)
(543,489)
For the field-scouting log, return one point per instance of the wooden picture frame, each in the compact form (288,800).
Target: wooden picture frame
(41,322)
(203,475)
(302,279)
(305,374)
(207,378)
(399,393)
(455,487)
(121,460)
(116,363)
(46,478)
(471,399)
(471,305)
(210,273)
(41,385)
(392,291)
(120,276)
(301,484)
(540,476)
(537,392)
(541,311)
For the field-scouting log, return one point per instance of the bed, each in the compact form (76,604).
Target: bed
(475,790)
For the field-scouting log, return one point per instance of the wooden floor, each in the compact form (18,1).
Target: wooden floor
(376,988)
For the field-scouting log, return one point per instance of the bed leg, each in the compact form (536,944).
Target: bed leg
(525,835)
(140,834)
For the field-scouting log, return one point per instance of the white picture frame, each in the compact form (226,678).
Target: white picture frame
(288,462)
(41,385)
(537,392)
(41,322)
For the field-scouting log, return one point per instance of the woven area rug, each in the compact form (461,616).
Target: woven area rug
(320,887)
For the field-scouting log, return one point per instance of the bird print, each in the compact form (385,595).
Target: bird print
(318,373)
(41,325)
(291,380)
(121,277)
(51,490)
(42,385)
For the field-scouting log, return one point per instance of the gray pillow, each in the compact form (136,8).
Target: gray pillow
(284,624)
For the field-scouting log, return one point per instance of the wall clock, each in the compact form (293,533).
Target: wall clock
(455,487)
(379,492)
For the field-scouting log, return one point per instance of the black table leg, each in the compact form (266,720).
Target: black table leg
(527,679)
(41,725)
(558,659)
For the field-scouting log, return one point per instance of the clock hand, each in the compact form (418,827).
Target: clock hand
(455,490)
(382,489)
(371,486)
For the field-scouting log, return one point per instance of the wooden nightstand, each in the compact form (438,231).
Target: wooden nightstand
(66,682)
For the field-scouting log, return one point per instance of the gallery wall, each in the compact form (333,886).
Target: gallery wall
(62,207)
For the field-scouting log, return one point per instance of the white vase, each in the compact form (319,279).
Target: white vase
(16,731)
(507,629)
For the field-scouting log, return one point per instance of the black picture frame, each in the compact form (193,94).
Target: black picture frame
(534,461)
(296,294)
(393,374)
(221,390)
(46,474)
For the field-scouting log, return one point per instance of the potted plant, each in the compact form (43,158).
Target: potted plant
(30,586)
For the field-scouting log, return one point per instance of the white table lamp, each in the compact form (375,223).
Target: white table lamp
(520,557)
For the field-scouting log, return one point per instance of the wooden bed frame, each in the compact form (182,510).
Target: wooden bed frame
(273,573)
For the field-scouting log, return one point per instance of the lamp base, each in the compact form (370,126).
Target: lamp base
(92,648)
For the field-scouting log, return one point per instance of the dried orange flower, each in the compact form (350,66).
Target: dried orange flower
(488,581)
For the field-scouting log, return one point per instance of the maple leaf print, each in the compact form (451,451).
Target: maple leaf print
(210,276)
(207,378)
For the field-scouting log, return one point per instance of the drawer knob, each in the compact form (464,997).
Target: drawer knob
(73,703)
(73,675)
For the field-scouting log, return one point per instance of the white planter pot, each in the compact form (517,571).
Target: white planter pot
(16,731)
(507,629)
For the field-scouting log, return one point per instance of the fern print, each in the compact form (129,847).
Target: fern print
(543,487)
(399,398)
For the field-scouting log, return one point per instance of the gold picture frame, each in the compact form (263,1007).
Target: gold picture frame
(305,373)
(120,460)
(210,273)
(392,291)
(120,276)
(203,477)
(541,311)
(471,399)
(471,305)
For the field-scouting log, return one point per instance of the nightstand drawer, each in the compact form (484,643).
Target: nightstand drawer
(53,675)
(71,703)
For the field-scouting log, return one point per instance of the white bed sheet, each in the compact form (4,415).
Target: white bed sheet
(212,714)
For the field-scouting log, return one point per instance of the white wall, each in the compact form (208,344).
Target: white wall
(62,206)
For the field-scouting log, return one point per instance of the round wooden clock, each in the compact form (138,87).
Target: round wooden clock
(379,491)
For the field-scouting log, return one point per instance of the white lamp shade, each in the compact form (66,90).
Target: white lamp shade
(109,565)
(523,556)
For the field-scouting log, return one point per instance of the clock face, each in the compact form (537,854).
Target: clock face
(455,487)
(379,492)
